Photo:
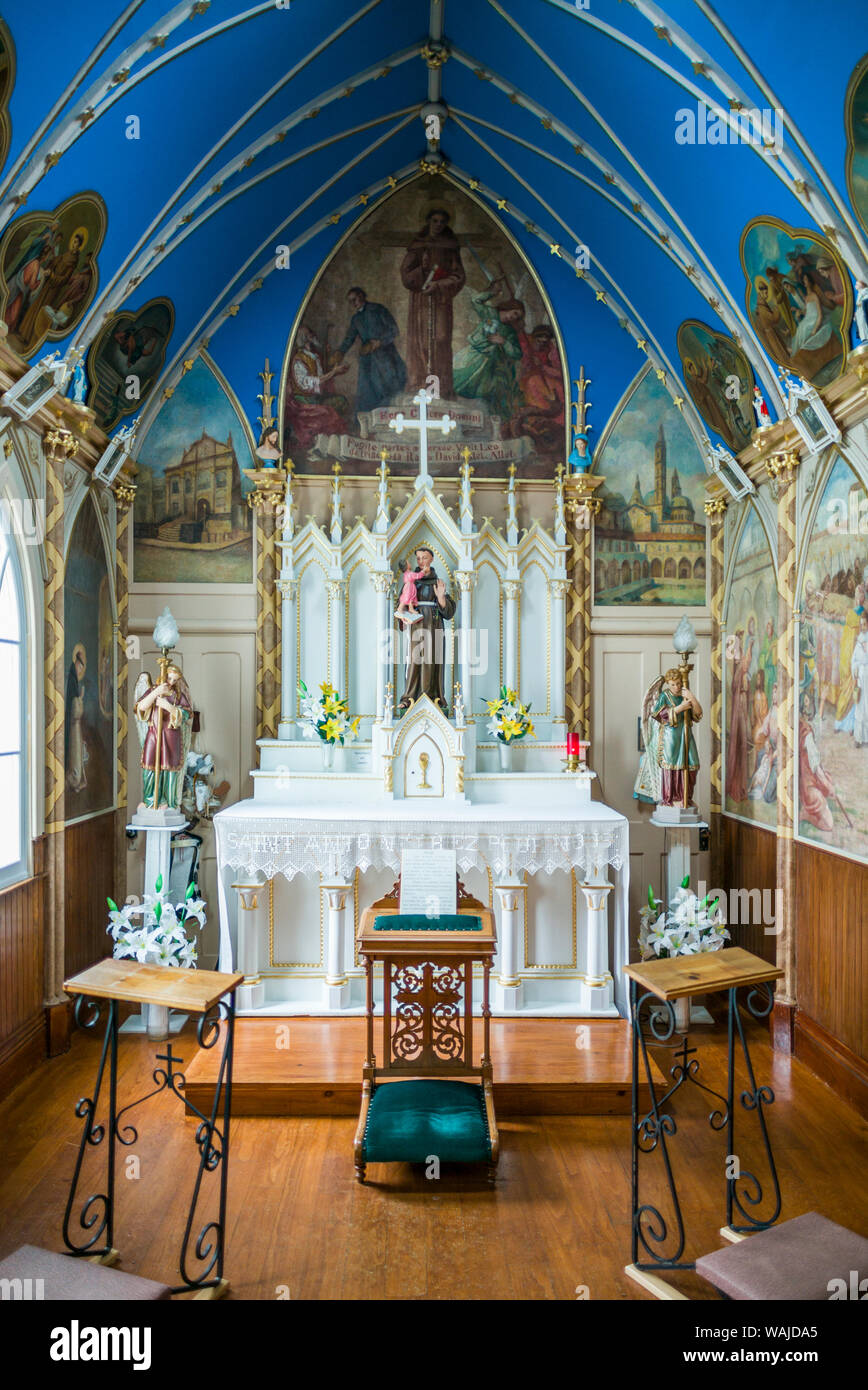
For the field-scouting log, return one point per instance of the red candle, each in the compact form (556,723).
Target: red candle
(573,745)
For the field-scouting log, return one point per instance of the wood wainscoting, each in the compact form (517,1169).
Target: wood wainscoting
(831,1029)
(748,856)
(22,1018)
(90,878)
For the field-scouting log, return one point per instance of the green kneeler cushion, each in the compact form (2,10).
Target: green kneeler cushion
(409,921)
(408,1121)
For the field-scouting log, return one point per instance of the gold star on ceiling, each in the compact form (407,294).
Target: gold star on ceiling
(501,203)
(335,218)
(363,199)
(392,181)
(546,122)
(641,343)
(601,295)
(678,402)
(660,374)
(580,273)
(474,184)
(554,249)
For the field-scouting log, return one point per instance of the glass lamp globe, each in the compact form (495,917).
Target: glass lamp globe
(685,638)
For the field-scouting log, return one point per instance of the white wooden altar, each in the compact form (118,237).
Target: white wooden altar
(548,870)
(300,860)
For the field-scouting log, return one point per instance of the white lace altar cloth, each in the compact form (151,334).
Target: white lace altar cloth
(255,838)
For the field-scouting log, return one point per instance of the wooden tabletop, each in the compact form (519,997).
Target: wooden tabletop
(193,991)
(703,973)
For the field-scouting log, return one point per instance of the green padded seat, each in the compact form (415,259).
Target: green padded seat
(409,1121)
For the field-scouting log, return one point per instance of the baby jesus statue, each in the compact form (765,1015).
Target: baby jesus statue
(407,611)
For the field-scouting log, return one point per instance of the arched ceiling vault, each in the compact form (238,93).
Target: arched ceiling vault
(560,121)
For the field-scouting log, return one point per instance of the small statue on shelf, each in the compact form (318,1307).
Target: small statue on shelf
(669,764)
(861,319)
(164,717)
(268,448)
(761,410)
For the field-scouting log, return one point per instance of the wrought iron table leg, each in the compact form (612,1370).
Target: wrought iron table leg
(650,1131)
(98,1210)
(753,1098)
(213,1144)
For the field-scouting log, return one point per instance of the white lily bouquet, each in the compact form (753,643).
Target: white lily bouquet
(688,927)
(327,718)
(161,937)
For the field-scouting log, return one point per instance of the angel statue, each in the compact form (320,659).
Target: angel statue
(164,716)
(669,710)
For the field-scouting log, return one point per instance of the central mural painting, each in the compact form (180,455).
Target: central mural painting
(428,291)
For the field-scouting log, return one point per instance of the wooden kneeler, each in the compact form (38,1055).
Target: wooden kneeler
(428,1100)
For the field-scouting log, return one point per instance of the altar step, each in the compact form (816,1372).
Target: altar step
(541,1067)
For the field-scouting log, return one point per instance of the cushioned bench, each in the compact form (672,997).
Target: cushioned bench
(796,1261)
(68,1279)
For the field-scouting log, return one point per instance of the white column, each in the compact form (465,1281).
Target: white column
(337,593)
(507,985)
(557,688)
(337,988)
(382,584)
(251,900)
(511,591)
(288,656)
(464,580)
(596,889)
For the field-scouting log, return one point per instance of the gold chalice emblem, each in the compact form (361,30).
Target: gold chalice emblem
(424,760)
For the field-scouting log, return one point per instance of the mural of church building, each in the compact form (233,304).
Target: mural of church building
(650,547)
(197,501)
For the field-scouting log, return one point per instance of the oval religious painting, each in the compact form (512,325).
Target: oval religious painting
(798,298)
(48,271)
(720,380)
(426,291)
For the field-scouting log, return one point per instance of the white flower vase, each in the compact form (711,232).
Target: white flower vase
(156,1021)
(505,755)
(328,756)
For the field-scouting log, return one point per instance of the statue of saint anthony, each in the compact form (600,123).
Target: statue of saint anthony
(427,636)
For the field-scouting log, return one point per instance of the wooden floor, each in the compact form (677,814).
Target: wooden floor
(313,1066)
(556,1221)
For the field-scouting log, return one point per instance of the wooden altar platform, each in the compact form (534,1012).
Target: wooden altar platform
(538,1067)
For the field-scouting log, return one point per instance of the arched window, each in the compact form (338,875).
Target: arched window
(13,713)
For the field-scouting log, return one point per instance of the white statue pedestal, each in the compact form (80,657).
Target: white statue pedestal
(677,843)
(679,823)
(158,827)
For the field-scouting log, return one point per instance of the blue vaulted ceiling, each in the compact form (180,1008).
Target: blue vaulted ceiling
(271,124)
